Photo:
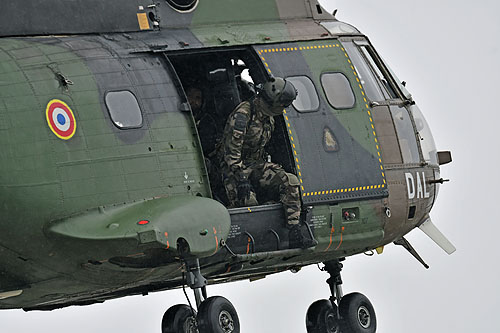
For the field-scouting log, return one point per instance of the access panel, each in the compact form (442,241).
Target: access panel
(334,142)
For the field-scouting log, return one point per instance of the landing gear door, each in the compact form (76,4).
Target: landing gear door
(330,127)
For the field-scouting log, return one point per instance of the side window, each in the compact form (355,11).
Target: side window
(338,90)
(307,98)
(124,109)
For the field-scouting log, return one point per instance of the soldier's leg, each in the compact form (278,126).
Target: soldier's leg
(231,185)
(286,185)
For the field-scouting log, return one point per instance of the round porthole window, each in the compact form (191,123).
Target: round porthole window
(183,5)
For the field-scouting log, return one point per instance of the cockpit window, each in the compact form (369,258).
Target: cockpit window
(338,90)
(401,87)
(364,73)
(378,70)
(427,144)
(339,28)
(124,109)
(307,98)
(406,134)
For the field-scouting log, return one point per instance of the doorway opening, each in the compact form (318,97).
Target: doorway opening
(215,82)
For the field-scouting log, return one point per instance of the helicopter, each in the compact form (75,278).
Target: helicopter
(108,185)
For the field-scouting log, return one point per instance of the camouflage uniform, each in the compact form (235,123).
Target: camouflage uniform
(246,134)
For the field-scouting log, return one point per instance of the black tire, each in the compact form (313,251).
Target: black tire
(179,318)
(322,317)
(357,314)
(217,315)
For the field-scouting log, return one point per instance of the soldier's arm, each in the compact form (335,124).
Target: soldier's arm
(234,137)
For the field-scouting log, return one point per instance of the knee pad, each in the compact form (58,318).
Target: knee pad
(292,179)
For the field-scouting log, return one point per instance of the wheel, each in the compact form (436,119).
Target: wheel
(322,317)
(357,314)
(217,315)
(179,318)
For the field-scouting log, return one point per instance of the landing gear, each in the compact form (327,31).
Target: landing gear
(215,314)
(354,314)
(179,318)
(322,317)
(357,314)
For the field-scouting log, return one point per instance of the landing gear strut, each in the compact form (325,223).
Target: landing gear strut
(215,314)
(352,313)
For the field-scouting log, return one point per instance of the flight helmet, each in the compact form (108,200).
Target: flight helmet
(278,94)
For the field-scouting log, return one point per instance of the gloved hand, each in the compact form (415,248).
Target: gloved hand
(244,188)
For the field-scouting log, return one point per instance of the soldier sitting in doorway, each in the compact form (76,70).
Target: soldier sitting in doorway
(244,162)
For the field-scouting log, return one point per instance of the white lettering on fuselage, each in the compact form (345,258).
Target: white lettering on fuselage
(418,188)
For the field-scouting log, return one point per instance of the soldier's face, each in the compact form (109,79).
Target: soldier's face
(269,110)
(195,98)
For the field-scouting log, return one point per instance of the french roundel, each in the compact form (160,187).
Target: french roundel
(61,119)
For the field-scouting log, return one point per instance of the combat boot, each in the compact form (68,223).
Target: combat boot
(299,237)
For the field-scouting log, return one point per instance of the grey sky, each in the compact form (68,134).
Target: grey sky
(447,52)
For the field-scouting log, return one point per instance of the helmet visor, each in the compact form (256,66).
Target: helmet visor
(288,95)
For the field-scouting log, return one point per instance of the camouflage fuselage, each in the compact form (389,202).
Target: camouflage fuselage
(71,207)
